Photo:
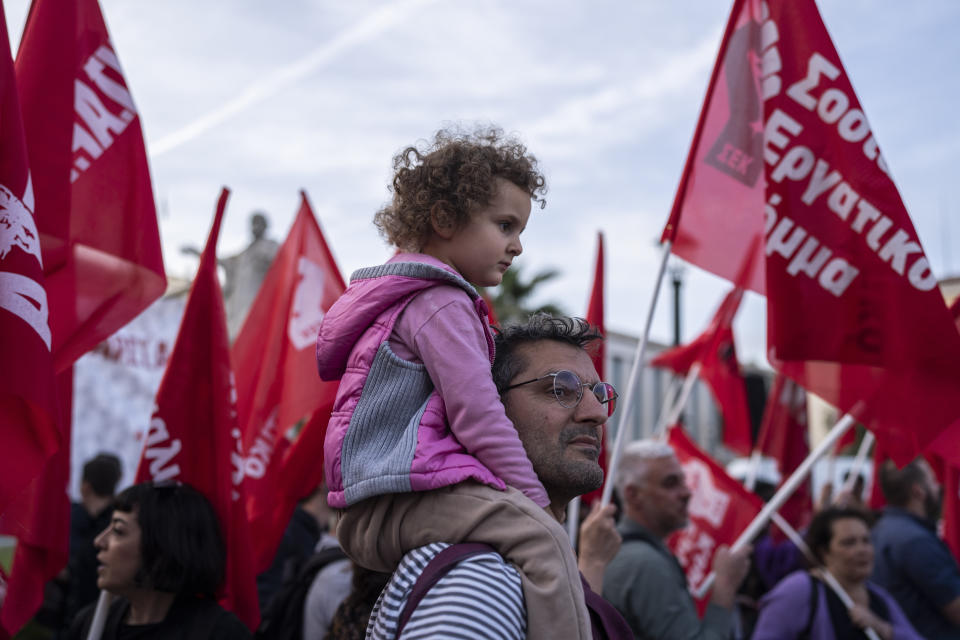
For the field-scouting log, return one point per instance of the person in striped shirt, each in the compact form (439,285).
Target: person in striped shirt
(541,370)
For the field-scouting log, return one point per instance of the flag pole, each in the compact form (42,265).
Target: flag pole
(786,489)
(828,577)
(753,469)
(865,444)
(573,520)
(669,398)
(100,615)
(632,382)
(681,402)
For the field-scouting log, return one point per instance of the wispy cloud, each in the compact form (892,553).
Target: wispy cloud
(367,29)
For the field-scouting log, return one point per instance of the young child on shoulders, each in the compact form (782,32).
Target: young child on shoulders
(418,428)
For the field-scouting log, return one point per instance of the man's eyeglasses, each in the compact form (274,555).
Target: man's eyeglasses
(568,390)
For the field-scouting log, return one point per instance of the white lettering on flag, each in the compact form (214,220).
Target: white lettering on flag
(161,457)
(307,310)
(20,295)
(99,124)
(706,501)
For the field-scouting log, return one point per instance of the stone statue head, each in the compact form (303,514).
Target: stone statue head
(258,225)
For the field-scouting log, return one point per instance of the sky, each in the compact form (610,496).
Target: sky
(271,98)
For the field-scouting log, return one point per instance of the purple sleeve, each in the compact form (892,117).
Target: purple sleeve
(902,629)
(784,611)
(441,328)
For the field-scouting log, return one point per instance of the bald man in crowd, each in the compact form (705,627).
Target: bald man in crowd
(644,581)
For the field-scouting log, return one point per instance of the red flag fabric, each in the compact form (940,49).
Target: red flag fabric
(27,400)
(719,510)
(274,358)
(39,519)
(783,437)
(783,152)
(947,461)
(951,507)
(492,316)
(595,318)
(193,436)
(95,207)
(715,351)
(876,500)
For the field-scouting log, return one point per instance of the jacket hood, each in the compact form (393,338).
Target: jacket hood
(372,291)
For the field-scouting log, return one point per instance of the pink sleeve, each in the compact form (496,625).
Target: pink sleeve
(441,328)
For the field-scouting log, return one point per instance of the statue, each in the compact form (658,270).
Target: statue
(244,272)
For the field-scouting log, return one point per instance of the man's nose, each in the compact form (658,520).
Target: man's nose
(590,409)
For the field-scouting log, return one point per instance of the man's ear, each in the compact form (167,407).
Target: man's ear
(442,220)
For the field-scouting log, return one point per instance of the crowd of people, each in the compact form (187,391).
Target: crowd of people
(451,456)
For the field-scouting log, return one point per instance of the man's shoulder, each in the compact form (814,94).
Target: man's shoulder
(896,527)
(475,590)
(482,569)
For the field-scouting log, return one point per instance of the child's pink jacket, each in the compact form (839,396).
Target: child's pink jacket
(388,432)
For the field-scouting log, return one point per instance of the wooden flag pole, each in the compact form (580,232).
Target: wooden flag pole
(623,424)
(786,489)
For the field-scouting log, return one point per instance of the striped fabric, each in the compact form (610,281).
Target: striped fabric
(479,598)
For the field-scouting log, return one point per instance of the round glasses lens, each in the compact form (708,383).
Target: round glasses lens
(567,389)
(606,395)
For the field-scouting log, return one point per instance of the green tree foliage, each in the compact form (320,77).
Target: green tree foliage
(511,299)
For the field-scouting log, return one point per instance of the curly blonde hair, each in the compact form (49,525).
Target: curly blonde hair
(450,177)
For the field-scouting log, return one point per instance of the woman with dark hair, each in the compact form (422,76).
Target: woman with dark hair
(163,555)
(803,606)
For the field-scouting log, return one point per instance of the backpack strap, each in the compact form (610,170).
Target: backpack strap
(439,566)
(814,603)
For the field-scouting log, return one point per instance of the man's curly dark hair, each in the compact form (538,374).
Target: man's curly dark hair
(451,177)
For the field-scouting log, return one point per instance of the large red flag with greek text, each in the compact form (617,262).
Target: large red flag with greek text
(193,436)
(595,318)
(39,519)
(94,203)
(783,437)
(783,152)
(719,510)
(274,357)
(33,428)
(714,350)
(27,399)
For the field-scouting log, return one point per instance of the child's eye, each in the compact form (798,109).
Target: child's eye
(505,226)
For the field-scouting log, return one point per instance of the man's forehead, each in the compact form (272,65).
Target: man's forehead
(549,356)
(663,467)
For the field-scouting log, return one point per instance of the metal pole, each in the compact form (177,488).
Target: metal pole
(623,423)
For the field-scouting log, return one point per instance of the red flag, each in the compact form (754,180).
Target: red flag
(39,519)
(492,316)
(719,509)
(783,152)
(783,437)
(715,351)
(35,426)
(95,209)
(951,507)
(595,318)
(947,461)
(27,402)
(274,357)
(193,435)
(876,500)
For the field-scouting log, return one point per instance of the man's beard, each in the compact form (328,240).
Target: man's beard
(932,502)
